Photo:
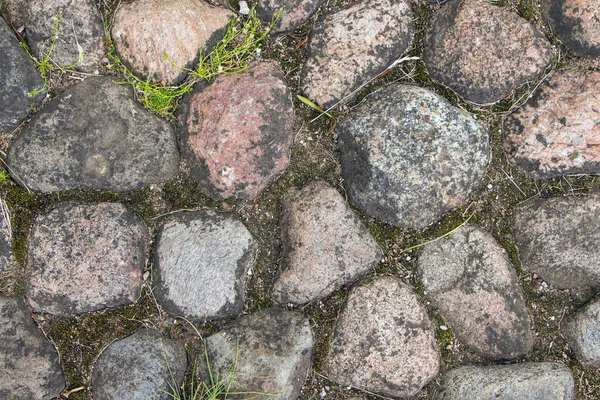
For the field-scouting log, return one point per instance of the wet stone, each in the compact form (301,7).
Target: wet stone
(157,39)
(7,260)
(558,131)
(94,135)
(483,51)
(582,332)
(325,245)
(145,365)
(471,281)
(576,24)
(202,262)
(408,156)
(30,368)
(383,341)
(353,45)
(271,351)
(84,258)
(237,133)
(558,239)
(294,12)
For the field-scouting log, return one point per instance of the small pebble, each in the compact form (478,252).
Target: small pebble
(244,10)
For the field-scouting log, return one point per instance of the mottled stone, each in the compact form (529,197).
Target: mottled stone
(582,332)
(30,368)
(270,350)
(237,133)
(383,341)
(157,39)
(558,239)
(353,45)
(145,365)
(94,135)
(471,281)
(202,261)
(576,23)
(7,260)
(408,156)
(80,41)
(293,12)
(558,131)
(325,245)
(84,258)
(531,381)
(482,51)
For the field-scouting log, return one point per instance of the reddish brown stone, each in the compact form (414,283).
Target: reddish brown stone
(576,23)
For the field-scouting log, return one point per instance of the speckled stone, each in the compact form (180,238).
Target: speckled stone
(582,331)
(558,131)
(84,258)
(383,341)
(158,38)
(482,51)
(294,12)
(237,133)
(7,259)
(471,281)
(353,45)
(408,156)
(576,23)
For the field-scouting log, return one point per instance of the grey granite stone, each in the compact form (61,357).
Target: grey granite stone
(582,332)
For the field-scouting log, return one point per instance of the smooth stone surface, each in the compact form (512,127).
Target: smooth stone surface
(576,23)
(482,51)
(94,135)
(158,38)
(202,261)
(294,12)
(558,131)
(325,245)
(84,258)
(408,155)
(471,281)
(271,351)
(531,381)
(145,365)
(7,259)
(30,368)
(582,332)
(353,45)
(383,341)
(558,239)
(237,133)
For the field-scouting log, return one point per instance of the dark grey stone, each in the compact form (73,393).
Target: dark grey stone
(576,24)
(294,12)
(7,259)
(582,332)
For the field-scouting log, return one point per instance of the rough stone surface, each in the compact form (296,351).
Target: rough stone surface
(582,332)
(201,265)
(18,77)
(95,135)
(558,131)
(83,258)
(325,245)
(483,51)
(142,366)
(294,12)
(576,23)
(271,350)
(408,156)
(531,381)
(383,341)
(237,133)
(470,279)
(558,239)
(80,32)
(353,45)
(30,368)
(7,260)
(158,38)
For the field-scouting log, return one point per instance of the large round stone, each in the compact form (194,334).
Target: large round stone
(576,23)
(582,332)
(293,12)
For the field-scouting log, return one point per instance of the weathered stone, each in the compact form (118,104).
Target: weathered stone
(95,135)
(18,78)
(383,341)
(70,31)
(354,45)
(558,239)
(83,258)
(271,351)
(471,281)
(576,23)
(325,245)
(531,381)
(294,12)
(408,156)
(558,131)
(30,368)
(237,133)
(201,265)
(582,332)
(157,39)
(7,259)
(482,51)
(143,366)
